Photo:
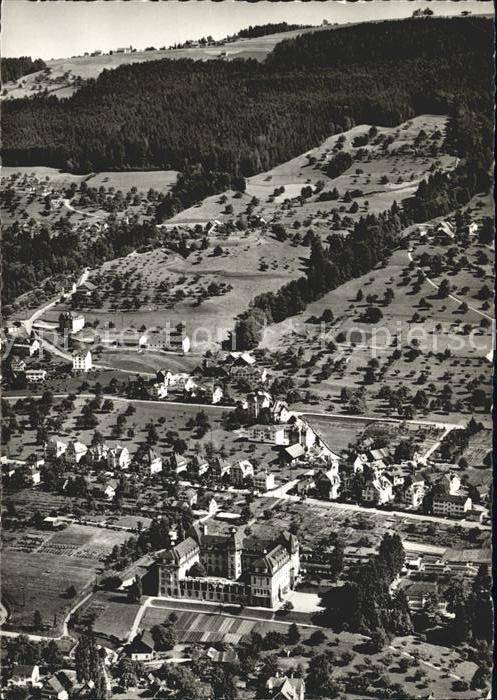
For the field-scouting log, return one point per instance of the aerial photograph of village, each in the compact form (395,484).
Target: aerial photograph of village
(247,350)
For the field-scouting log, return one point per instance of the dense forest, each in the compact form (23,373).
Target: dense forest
(15,68)
(241,117)
(271,28)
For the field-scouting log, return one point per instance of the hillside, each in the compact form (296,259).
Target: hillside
(245,117)
(63,76)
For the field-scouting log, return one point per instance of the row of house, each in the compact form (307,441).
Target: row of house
(236,474)
(116,458)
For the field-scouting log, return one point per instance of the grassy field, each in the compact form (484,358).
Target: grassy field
(160,180)
(402,165)
(38,567)
(251,264)
(175,418)
(60,80)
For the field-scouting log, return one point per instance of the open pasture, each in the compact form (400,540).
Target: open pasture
(205,292)
(160,180)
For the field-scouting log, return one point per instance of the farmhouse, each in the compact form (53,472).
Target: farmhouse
(81,361)
(27,348)
(25,675)
(157,342)
(141,647)
(53,689)
(178,463)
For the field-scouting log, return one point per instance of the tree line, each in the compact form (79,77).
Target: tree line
(241,117)
(15,68)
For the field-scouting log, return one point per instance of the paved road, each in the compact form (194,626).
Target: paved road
(65,626)
(385,513)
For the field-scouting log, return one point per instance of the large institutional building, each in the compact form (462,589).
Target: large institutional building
(238,569)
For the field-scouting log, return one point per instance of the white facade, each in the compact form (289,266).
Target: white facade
(82,361)
(118,458)
(36,375)
(452,506)
(264,481)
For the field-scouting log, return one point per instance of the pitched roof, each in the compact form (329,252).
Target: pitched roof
(295,451)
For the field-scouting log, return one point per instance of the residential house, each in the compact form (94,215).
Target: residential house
(35,375)
(220,467)
(25,675)
(228,656)
(159,391)
(209,504)
(451,483)
(178,463)
(241,471)
(270,434)
(153,461)
(328,484)
(264,481)
(17,365)
(285,688)
(199,465)
(255,402)
(118,458)
(419,593)
(188,496)
(75,451)
(106,490)
(54,448)
(280,412)
(379,491)
(98,452)
(414,492)
(81,361)
(452,505)
(217,394)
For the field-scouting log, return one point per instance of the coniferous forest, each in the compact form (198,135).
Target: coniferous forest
(15,68)
(241,117)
